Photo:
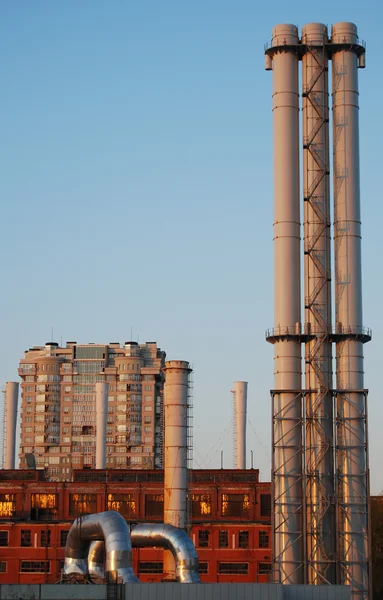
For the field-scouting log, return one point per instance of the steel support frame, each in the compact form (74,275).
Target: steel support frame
(318,462)
(351,441)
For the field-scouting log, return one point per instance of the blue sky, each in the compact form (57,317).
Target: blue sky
(136,187)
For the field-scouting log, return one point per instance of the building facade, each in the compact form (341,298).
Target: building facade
(58,406)
(229,521)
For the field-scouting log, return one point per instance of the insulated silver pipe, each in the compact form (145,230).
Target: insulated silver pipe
(111,527)
(351,450)
(11,400)
(147,535)
(101,423)
(171,538)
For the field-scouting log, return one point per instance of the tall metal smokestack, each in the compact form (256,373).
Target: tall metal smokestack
(283,59)
(350,399)
(240,418)
(176,393)
(101,423)
(11,401)
(320,486)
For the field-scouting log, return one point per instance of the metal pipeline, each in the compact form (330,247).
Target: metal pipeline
(173,539)
(111,527)
(146,535)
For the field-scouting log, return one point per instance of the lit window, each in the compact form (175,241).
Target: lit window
(82,504)
(44,505)
(201,504)
(125,504)
(7,505)
(235,505)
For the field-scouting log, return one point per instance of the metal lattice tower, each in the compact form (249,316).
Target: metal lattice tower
(318,414)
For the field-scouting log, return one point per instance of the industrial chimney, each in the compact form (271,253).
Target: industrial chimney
(240,418)
(320,444)
(101,422)
(11,399)
(176,393)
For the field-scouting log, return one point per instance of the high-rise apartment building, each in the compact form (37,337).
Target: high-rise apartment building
(58,405)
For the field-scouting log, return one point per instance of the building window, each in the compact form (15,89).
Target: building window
(63,536)
(45,538)
(4,538)
(82,504)
(125,504)
(44,505)
(243,539)
(3,566)
(235,505)
(263,539)
(35,566)
(223,539)
(26,537)
(203,538)
(264,568)
(265,505)
(226,568)
(201,504)
(203,568)
(151,567)
(7,505)
(154,505)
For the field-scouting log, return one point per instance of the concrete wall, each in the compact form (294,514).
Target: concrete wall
(177,591)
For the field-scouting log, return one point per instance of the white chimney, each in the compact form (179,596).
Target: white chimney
(101,421)
(176,446)
(11,400)
(240,418)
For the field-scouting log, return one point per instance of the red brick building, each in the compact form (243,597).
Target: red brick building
(229,515)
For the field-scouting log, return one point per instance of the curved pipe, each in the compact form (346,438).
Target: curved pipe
(111,527)
(146,535)
(173,539)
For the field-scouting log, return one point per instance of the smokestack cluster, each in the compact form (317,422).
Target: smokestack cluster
(320,457)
